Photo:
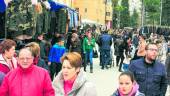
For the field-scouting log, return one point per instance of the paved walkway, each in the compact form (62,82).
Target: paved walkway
(105,80)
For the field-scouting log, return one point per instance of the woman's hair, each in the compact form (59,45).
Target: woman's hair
(129,74)
(35,48)
(6,45)
(74,58)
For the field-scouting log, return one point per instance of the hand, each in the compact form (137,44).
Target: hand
(47,5)
(49,63)
(7,2)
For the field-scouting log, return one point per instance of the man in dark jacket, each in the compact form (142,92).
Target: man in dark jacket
(105,47)
(150,74)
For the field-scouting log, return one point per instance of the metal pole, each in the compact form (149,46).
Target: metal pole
(160,22)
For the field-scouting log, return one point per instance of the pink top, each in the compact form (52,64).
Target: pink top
(68,86)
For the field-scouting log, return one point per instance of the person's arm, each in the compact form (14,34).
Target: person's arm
(43,64)
(167,63)
(84,45)
(4,88)
(48,89)
(164,83)
(110,40)
(93,42)
(50,56)
(132,67)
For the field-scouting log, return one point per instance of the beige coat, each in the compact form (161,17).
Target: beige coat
(81,86)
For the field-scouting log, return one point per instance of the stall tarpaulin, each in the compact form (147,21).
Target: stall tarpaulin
(2,6)
(56,6)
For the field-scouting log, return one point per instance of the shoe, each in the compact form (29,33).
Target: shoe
(91,71)
(84,70)
(102,68)
(120,70)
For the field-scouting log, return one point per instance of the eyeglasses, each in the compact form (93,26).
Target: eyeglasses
(22,59)
(151,49)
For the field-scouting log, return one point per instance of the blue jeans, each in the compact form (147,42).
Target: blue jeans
(105,58)
(88,58)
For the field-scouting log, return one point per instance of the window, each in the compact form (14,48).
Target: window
(107,13)
(85,10)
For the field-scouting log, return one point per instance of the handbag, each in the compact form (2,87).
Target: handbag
(125,65)
(95,54)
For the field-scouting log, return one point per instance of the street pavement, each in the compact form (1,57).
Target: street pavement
(106,81)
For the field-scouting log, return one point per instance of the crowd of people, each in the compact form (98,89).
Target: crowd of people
(39,70)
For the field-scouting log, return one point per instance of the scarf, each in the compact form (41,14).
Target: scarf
(68,86)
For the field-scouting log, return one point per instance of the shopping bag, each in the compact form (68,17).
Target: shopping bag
(95,54)
(125,67)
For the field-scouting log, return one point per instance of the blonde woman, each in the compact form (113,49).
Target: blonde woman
(35,48)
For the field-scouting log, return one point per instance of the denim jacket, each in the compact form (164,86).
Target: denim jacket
(150,77)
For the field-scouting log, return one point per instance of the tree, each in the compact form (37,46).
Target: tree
(119,9)
(134,19)
(152,11)
(165,13)
(124,14)
(115,15)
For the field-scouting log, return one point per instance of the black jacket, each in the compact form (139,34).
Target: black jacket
(41,63)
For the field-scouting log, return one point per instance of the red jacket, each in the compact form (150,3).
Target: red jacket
(33,81)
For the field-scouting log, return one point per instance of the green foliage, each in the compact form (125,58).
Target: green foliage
(120,8)
(124,14)
(152,8)
(115,14)
(134,19)
(165,13)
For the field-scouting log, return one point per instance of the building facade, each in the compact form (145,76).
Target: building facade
(94,11)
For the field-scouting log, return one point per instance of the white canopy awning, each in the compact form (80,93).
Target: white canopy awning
(87,21)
